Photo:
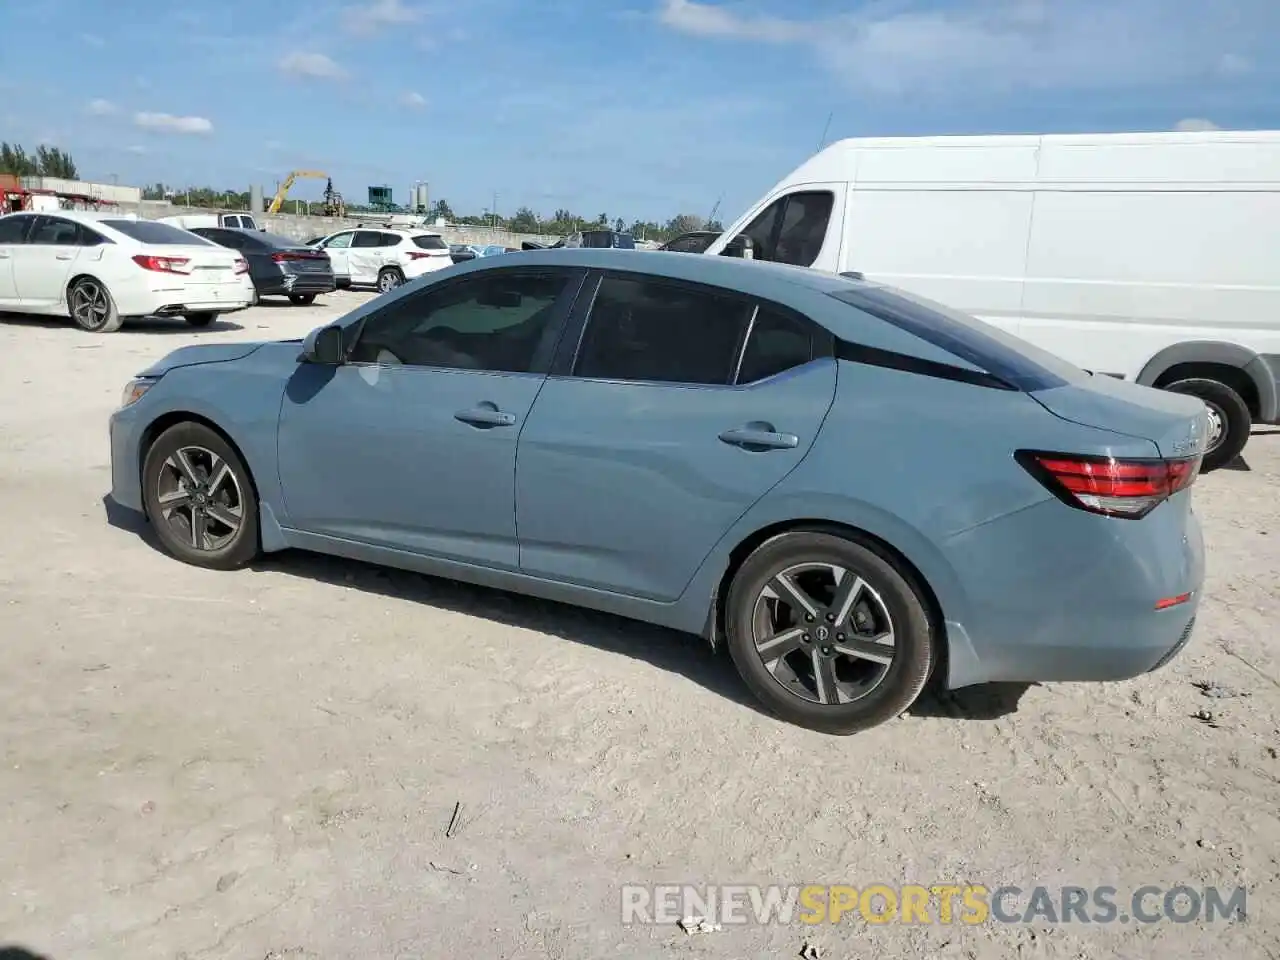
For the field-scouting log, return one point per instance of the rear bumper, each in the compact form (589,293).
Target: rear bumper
(156,296)
(297,283)
(1073,599)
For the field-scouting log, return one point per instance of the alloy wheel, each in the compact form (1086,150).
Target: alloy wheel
(199,496)
(388,280)
(823,633)
(90,305)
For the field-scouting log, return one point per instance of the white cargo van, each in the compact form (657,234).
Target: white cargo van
(1150,257)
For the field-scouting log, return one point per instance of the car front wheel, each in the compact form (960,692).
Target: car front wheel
(828,633)
(200,498)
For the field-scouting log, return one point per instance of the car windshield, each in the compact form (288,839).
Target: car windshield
(151,232)
(981,344)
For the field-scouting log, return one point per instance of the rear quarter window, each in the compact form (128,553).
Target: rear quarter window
(153,232)
(968,338)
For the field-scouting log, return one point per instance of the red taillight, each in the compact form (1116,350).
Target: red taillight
(416,254)
(163,264)
(1107,486)
(287,257)
(241,265)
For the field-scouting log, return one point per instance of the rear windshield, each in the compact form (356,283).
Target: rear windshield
(149,231)
(430,243)
(986,347)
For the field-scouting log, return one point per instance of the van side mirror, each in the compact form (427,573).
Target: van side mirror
(323,346)
(741,246)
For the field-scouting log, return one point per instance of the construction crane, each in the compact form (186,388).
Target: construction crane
(278,201)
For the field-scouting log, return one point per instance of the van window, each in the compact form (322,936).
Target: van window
(792,228)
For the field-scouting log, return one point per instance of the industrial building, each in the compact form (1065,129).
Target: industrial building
(53,193)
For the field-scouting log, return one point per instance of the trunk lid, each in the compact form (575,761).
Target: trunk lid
(302,260)
(1178,425)
(209,265)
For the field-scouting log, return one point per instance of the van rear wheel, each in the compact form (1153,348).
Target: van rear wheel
(1229,419)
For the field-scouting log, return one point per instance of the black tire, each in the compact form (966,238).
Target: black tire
(389,278)
(201,319)
(175,527)
(92,307)
(1229,407)
(302,299)
(913,652)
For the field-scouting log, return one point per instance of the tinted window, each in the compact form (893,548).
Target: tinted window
(150,231)
(390,239)
(430,243)
(368,238)
(495,322)
(792,228)
(647,330)
(777,342)
(691,243)
(991,350)
(13,229)
(54,231)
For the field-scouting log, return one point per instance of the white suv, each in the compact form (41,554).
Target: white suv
(384,257)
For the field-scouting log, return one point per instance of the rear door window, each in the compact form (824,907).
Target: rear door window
(389,239)
(367,238)
(54,232)
(654,331)
(792,228)
(778,342)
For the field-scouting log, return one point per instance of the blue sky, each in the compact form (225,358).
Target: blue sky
(635,108)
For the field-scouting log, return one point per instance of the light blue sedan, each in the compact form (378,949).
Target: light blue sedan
(856,490)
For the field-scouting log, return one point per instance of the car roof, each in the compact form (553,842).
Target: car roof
(750,276)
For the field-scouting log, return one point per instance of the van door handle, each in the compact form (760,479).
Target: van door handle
(760,437)
(486,415)
(4,254)
(64,256)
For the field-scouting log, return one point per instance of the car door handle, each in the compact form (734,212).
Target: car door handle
(64,256)
(4,254)
(762,437)
(486,415)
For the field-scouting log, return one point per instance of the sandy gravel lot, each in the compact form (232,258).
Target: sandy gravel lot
(265,764)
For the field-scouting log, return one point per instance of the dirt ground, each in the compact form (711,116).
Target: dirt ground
(266,764)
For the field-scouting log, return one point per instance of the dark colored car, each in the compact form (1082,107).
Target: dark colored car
(696,241)
(602,240)
(279,266)
(461,252)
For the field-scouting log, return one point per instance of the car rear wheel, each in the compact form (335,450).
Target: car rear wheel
(200,498)
(389,278)
(828,633)
(1229,419)
(92,307)
(302,299)
(201,319)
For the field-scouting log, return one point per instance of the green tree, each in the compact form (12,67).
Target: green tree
(442,210)
(683,223)
(45,162)
(525,221)
(603,220)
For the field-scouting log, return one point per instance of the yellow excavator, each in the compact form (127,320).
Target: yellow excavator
(333,205)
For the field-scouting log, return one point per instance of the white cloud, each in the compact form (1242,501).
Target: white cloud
(973,46)
(1196,124)
(168,123)
(101,108)
(413,100)
(315,66)
(374,16)
(92,40)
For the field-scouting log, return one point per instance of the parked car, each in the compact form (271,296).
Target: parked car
(231,221)
(279,266)
(601,239)
(104,269)
(854,487)
(1169,282)
(696,241)
(384,257)
(461,252)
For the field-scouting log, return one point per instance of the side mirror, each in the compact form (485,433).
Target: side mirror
(323,346)
(741,246)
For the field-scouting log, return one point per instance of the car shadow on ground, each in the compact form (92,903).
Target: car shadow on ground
(161,325)
(10,952)
(681,653)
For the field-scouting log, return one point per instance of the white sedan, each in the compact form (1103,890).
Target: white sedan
(384,257)
(102,269)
